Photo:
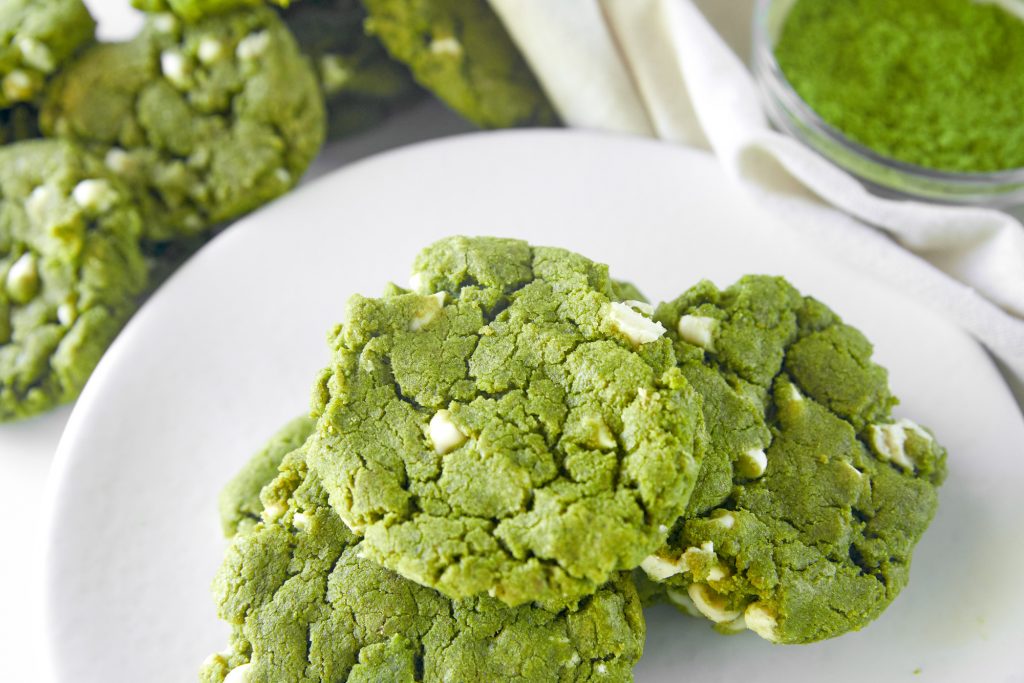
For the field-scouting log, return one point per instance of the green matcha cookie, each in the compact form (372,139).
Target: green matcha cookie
(510,427)
(459,50)
(240,505)
(70,268)
(360,82)
(305,605)
(205,121)
(811,496)
(37,37)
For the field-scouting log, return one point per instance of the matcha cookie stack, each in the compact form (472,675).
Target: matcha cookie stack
(507,458)
(495,450)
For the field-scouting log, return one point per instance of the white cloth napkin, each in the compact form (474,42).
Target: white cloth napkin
(658,68)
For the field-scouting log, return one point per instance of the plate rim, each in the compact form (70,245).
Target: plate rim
(58,481)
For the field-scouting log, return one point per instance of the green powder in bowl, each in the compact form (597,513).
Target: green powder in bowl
(931,83)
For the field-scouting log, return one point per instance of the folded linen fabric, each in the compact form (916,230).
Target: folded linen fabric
(659,68)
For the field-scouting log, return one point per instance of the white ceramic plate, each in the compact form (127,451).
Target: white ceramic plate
(227,350)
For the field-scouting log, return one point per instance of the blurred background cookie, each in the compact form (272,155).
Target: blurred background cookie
(70,271)
(204,121)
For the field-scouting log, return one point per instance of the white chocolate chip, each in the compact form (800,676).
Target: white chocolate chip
(38,201)
(726,520)
(682,601)
(662,529)
(445,434)
(18,86)
(240,674)
(737,625)
(446,46)
(165,22)
(193,222)
(601,669)
(119,161)
(66,313)
(853,470)
(711,604)
(753,463)
(95,195)
(283,176)
(761,621)
(430,308)
(889,442)
(273,511)
(916,428)
(698,330)
(604,439)
(36,55)
(211,50)
(175,67)
(23,279)
(637,328)
(252,46)
(660,568)
(300,520)
(716,573)
(334,73)
(573,661)
(416,282)
(642,306)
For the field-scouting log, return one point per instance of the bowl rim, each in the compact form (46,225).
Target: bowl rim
(763,55)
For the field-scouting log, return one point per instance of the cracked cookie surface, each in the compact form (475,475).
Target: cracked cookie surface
(510,427)
(811,496)
(204,121)
(306,605)
(37,37)
(460,50)
(70,269)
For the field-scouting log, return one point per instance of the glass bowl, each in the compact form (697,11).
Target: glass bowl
(882,175)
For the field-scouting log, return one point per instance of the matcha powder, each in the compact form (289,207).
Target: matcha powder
(935,83)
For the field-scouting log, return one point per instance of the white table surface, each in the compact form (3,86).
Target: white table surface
(27,448)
